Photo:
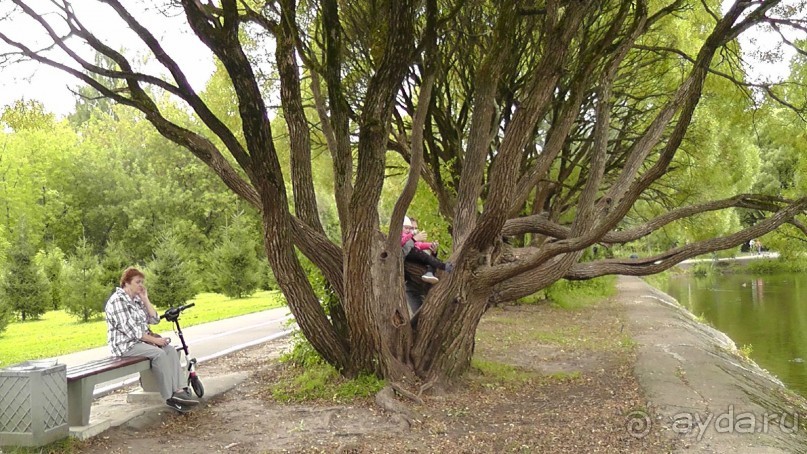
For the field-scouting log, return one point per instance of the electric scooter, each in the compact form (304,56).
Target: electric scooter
(172,315)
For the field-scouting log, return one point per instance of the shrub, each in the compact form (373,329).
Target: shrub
(235,268)
(576,294)
(24,287)
(85,294)
(52,264)
(170,279)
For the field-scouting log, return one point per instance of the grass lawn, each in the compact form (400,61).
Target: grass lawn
(57,333)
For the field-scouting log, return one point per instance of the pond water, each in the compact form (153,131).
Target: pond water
(769,313)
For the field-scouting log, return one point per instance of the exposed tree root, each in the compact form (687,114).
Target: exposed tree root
(409,395)
(386,400)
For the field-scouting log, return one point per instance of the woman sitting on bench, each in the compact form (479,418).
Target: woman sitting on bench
(128,314)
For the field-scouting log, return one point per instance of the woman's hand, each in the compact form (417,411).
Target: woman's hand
(144,297)
(156,340)
(420,237)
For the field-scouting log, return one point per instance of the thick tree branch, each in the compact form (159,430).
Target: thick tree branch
(666,260)
(305,199)
(541,225)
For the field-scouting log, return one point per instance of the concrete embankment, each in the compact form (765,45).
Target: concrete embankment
(699,386)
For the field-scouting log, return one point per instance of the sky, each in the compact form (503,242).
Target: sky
(52,87)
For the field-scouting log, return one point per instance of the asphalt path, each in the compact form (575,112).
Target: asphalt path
(205,341)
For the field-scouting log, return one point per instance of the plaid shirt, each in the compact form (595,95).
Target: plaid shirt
(126,321)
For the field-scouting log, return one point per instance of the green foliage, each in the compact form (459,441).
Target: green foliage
(113,262)
(577,294)
(321,381)
(773,266)
(170,278)
(24,286)
(746,350)
(23,341)
(26,115)
(52,264)
(302,353)
(702,269)
(85,294)
(235,269)
(659,281)
(6,315)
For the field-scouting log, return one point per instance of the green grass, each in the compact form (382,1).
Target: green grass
(57,333)
(67,445)
(499,373)
(574,294)
(322,382)
(579,294)
(660,280)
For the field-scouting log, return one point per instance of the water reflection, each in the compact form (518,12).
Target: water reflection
(769,313)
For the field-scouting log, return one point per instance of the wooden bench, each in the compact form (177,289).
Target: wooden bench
(81,381)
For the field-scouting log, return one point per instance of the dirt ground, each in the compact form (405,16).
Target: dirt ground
(545,379)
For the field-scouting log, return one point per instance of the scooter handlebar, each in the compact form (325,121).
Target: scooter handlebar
(173,313)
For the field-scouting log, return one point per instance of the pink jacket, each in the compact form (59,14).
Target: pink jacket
(418,244)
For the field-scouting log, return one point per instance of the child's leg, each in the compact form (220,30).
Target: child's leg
(429,276)
(430,268)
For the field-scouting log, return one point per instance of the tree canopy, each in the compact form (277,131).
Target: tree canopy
(552,125)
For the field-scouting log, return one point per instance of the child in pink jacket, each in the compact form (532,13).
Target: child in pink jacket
(408,243)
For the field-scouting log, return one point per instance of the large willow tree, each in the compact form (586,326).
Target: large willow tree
(545,120)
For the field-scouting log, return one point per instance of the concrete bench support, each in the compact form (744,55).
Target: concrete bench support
(81,381)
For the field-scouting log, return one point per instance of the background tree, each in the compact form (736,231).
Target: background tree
(24,287)
(114,261)
(85,294)
(234,266)
(6,315)
(169,274)
(52,264)
(560,124)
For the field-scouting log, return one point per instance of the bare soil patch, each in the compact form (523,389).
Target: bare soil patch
(545,380)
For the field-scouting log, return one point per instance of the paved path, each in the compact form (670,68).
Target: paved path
(205,341)
(698,385)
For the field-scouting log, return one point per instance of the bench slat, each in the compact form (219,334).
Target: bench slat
(102,365)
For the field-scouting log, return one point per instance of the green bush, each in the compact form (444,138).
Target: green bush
(771,266)
(25,289)
(576,294)
(85,295)
(702,269)
(169,277)
(302,353)
(236,270)
(115,260)
(52,264)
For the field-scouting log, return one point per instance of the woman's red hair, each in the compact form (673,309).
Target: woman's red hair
(129,274)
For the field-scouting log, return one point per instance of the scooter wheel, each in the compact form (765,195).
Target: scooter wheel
(198,387)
